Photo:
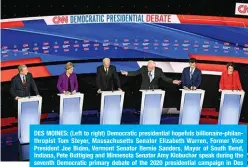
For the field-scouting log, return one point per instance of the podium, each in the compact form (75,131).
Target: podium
(24,152)
(111,107)
(191,106)
(230,106)
(29,112)
(151,106)
(71,107)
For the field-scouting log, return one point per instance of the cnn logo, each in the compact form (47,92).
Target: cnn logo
(241,9)
(60,19)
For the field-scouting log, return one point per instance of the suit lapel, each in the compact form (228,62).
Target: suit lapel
(19,79)
(155,73)
(194,73)
(188,72)
(27,78)
(146,71)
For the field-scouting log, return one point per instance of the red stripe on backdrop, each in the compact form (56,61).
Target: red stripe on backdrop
(12,24)
(211,67)
(220,58)
(213,20)
(40,71)
(21,61)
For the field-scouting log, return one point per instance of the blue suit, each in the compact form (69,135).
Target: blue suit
(194,81)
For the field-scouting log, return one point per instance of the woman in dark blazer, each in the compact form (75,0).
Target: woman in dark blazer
(67,82)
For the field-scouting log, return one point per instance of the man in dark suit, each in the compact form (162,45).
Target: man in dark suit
(150,76)
(191,76)
(107,77)
(22,83)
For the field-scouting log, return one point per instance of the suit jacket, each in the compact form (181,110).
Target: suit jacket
(17,88)
(194,81)
(107,82)
(62,83)
(154,84)
(230,82)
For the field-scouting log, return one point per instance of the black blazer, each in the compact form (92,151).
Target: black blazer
(107,82)
(146,84)
(17,88)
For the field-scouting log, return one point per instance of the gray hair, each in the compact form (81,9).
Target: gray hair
(151,61)
(20,67)
(105,59)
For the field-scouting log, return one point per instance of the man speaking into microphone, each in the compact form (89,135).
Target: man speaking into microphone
(107,77)
(151,76)
(191,76)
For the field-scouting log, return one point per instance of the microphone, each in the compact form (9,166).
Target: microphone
(152,87)
(112,87)
(192,84)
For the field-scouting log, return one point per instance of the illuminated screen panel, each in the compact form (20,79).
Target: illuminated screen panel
(93,37)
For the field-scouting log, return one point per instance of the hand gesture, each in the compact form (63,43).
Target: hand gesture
(66,92)
(185,88)
(17,97)
(177,82)
(124,73)
(193,88)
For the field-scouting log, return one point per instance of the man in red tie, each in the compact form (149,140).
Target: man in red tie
(22,83)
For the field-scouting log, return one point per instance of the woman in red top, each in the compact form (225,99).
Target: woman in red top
(230,79)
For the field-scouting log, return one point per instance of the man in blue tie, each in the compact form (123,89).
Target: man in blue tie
(191,76)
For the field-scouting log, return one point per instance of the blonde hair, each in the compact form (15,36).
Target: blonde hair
(20,67)
(69,65)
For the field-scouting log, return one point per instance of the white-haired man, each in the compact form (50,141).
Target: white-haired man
(107,78)
(150,76)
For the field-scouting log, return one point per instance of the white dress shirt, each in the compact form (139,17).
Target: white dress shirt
(152,73)
(23,76)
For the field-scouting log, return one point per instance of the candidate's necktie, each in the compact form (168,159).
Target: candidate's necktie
(150,76)
(191,74)
(106,71)
(24,82)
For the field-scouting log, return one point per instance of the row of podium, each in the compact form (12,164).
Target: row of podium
(71,107)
